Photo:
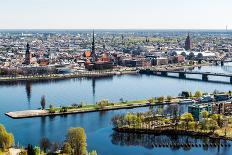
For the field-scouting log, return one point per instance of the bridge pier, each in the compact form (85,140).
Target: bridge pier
(231,79)
(205,77)
(164,73)
(182,75)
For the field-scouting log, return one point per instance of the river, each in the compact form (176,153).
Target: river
(100,137)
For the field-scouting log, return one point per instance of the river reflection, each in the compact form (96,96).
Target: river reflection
(149,140)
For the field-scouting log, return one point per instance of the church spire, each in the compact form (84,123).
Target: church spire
(28,55)
(93,48)
(188,43)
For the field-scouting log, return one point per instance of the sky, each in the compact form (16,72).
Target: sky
(115,14)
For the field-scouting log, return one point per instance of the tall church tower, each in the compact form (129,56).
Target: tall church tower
(187,43)
(93,49)
(28,55)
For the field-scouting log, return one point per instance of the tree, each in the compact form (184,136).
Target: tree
(218,118)
(198,94)
(45,144)
(151,100)
(67,148)
(54,147)
(230,93)
(43,102)
(77,139)
(30,150)
(103,103)
(37,150)
(185,94)
(187,117)
(121,100)
(213,125)
(200,56)
(216,92)
(6,139)
(204,114)
(160,99)
(169,98)
(93,153)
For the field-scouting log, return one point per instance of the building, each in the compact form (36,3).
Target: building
(160,61)
(196,110)
(222,108)
(221,97)
(27,56)
(179,58)
(133,63)
(187,43)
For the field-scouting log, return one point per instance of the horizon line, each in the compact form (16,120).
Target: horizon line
(183,29)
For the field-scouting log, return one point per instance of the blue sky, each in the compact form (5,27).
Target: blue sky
(115,14)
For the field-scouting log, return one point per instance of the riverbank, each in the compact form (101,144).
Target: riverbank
(100,73)
(170,131)
(65,76)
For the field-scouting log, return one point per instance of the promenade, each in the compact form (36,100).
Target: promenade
(64,76)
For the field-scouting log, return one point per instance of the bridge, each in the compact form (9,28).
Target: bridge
(216,61)
(182,74)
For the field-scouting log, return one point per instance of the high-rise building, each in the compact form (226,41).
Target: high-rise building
(187,43)
(28,55)
(93,49)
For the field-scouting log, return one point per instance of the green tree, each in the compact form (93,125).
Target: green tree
(77,139)
(37,150)
(6,139)
(213,125)
(192,125)
(67,149)
(93,153)
(204,114)
(43,102)
(160,99)
(218,118)
(230,93)
(103,103)
(151,100)
(187,117)
(198,94)
(169,98)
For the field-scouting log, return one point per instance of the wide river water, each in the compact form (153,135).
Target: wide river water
(100,137)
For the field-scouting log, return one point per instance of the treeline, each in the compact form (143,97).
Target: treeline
(74,144)
(209,123)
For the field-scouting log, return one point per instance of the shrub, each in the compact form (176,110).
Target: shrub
(6,139)
(52,110)
(64,109)
(160,99)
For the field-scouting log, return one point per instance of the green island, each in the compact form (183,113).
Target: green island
(106,105)
(210,125)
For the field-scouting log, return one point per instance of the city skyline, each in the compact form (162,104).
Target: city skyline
(109,14)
